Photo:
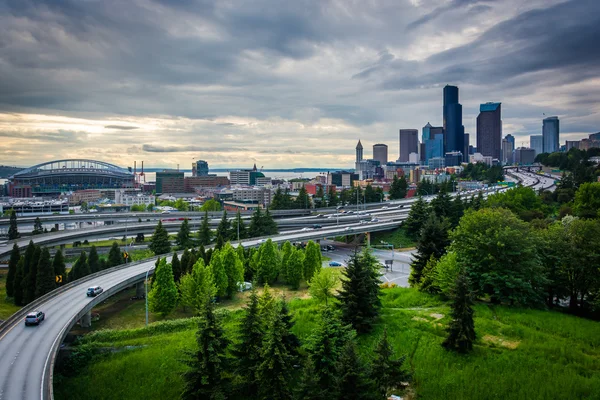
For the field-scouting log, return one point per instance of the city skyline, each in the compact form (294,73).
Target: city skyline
(169,82)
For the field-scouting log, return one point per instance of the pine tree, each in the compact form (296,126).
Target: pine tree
(302,200)
(268,223)
(162,298)
(398,188)
(458,209)
(159,243)
(204,233)
(308,388)
(418,214)
(359,296)
(30,278)
(312,260)
(217,269)
(45,280)
(333,197)
(197,287)
(461,331)
(324,350)
(256,228)
(219,243)
(224,227)
(234,269)
(242,228)
(268,264)
(432,242)
(248,348)
(37,227)
(274,372)
(266,306)
(441,205)
(15,256)
(285,251)
(94,260)
(79,268)
(295,268)
(13,231)
(355,383)
(114,255)
(59,267)
(183,236)
(207,374)
(18,283)
(388,373)
(176,268)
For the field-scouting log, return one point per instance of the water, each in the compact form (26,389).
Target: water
(287,175)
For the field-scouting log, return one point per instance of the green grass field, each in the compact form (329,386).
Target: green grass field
(7,308)
(397,237)
(519,353)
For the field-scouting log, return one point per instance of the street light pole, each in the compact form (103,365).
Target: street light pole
(146,288)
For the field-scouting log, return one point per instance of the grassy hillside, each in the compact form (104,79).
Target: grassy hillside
(519,353)
(7,308)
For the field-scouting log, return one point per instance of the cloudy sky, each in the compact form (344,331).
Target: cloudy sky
(282,83)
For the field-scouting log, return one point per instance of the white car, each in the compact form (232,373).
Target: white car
(261,240)
(347,228)
(385,207)
(305,229)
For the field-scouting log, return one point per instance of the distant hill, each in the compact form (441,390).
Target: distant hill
(6,171)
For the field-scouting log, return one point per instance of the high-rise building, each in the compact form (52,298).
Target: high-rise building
(466,148)
(454,131)
(536,143)
(508,147)
(550,133)
(359,151)
(569,144)
(489,130)
(409,143)
(433,142)
(200,168)
(453,158)
(380,153)
(169,181)
(524,156)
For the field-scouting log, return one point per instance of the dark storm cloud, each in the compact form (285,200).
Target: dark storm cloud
(475,8)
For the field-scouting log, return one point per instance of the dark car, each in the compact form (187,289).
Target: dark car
(34,318)
(330,247)
(316,226)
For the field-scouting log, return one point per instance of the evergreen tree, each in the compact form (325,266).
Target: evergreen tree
(30,278)
(268,264)
(162,298)
(398,188)
(302,200)
(241,255)
(185,262)
(388,373)
(266,306)
(15,256)
(45,280)
(295,268)
(308,388)
(224,227)
(268,223)
(355,383)
(432,242)
(458,209)
(159,243)
(18,282)
(274,372)
(219,243)
(217,268)
(234,268)
(277,201)
(441,205)
(359,296)
(322,284)
(59,267)
(461,331)
(324,350)
(183,236)
(197,287)
(204,234)
(238,222)
(286,251)
(206,377)
(94,260)
(176,267)
(37,227)
(418,214)
(13,231)
(80,268)
(312,260)
(208,256)
(256,228)
(247,351)
(114,255)
(333,197)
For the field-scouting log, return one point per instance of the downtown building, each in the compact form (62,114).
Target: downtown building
(550,135)
(524,156)
(432,142)
(380,153)
(489,130)
(536,143)
(409,143)
(508,147)
(454,131)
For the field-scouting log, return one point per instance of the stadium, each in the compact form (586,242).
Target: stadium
(62,176)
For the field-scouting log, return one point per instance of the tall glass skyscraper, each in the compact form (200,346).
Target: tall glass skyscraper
(489,130)
(550,133)
(536,143)
(454,131)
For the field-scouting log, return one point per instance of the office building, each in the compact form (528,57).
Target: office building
(436,163)
(466,146)
(453,158)
(524,156)
(341,178)
(380,153)
(433,141)
(569,144)
(190,183)
(536,143)
(359,151)
(489,130)
(409,143)
(368,169)
(508,146)
(169,181)
(550,135)
(240,177)
(454,131)
(200,168)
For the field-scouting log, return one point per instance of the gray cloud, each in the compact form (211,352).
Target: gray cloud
(121,127)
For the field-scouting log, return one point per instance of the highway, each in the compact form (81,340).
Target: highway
(27,354)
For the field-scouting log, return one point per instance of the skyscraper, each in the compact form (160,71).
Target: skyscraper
(536,143)
(508,147)
(433,141)
(489,130)
(453,128)
(550,133)
(409,143)
(359,151)
(200,168)
(380,153)
(466,145)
